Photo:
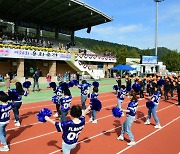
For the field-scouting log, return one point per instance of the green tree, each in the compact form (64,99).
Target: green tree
(172,60)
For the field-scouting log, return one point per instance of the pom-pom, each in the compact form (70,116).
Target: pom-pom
(2,93)
(96,105)
(95,84)
(26,84)
(71,84)
(117,112)
(150,105)
(55,99)
(76,83)
(64,86)
(13,94)
(52,85)
(115,87)
(44,112)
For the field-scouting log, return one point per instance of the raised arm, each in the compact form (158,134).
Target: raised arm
(50,120)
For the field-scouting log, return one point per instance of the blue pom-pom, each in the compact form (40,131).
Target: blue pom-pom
(44,112)
(115,87)
(13,94)
(150,105)
(64,86)
(27,84)
(117,112)
(55,99)
(76,83)
(96,105)
(95,84)
(2,93)
(52,85)
(71,84)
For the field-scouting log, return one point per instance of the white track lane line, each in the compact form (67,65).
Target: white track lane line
(110,130)
(54,119)
(149,135)
(82,140)
(52,104)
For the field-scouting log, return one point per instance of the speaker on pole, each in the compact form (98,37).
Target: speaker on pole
(89,29)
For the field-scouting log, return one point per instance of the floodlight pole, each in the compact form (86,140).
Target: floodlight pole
(156,31)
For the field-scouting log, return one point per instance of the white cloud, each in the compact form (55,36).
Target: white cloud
(120,29)
(170,41)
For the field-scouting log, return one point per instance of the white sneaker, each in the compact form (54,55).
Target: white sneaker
(158,126)
(4,148)
(120,137)
(56,115)
(147,122)
(14,121)
(17,124)
(132,143)
(94,121)
(91,119)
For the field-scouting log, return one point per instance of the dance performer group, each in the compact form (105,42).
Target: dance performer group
(72,128)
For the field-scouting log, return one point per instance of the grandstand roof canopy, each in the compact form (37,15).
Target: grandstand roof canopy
(65,14)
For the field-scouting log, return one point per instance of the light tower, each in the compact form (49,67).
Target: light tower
(156,31)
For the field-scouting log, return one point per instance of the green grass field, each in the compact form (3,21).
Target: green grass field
(105,86)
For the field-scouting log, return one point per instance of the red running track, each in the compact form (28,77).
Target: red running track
(100,138)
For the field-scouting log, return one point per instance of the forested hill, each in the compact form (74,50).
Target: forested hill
(169,57)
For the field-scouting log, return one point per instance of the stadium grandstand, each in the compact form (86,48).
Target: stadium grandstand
(30,38)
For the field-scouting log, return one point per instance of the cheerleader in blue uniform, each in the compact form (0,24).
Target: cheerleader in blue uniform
(5,108)
(17,100)
(65,103)
(155,99)
(58,92)
(84,93)
(92,96)
(130,117)
(71,129)
(121,95)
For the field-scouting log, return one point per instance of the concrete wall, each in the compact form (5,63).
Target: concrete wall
(61,68)
(6,66)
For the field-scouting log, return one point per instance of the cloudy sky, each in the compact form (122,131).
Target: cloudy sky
(134,23)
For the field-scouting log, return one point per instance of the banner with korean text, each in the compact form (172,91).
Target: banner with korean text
(33,54)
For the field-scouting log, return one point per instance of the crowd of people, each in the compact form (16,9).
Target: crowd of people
(21,39)
(167,84)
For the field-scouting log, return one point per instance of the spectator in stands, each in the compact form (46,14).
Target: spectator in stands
(44,43)
(77,76)
(85,51)
(40,43)
(23,41)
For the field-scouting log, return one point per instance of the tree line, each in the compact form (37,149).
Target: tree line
(171,58)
